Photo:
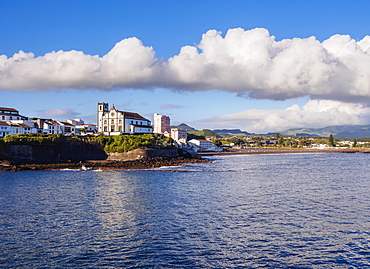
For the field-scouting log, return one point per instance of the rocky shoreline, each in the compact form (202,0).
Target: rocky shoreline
(144,163)
(155,162)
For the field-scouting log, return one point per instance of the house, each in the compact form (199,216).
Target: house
(48,126)
(8,114)
(116,122)
(86,129)
(5,128)
(76,122)
(67,128)
(23,126)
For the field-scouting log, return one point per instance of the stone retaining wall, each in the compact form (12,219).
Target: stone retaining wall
(47,154)
(143,153)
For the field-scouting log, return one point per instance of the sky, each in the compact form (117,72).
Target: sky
(259,66)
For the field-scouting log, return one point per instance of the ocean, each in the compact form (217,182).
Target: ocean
(242,211)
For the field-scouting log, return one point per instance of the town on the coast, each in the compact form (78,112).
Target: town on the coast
(114,122)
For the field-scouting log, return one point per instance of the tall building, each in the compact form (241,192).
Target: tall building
(115,122)
(162,124)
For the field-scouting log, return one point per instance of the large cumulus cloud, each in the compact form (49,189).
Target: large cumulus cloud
(315,113)
(250,63)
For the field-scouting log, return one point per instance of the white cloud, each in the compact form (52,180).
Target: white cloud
(315,113)
(170,106)
(59,113)
(250,63)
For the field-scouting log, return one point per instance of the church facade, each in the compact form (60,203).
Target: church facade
(115,122)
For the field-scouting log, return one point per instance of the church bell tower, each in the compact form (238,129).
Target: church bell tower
(102,109)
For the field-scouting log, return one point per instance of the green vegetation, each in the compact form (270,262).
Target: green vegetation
(124,143)
(2,145)
(339,131)
(331,141)
(34,139)
(120,143)
(204,133)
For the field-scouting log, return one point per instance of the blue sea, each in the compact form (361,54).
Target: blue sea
(244,211)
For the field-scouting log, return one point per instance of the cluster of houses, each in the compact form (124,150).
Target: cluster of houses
(11,122)
(110,122)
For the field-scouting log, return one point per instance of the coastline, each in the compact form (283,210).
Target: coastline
(156,162)
(280,151)
(141,164)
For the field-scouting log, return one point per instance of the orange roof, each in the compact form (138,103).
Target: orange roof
(22,125)
(3,123)
(8,109)
(133,115)
(66,123)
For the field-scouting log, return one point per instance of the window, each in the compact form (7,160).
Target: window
(112,121)
(120,128)
(112,128)
(105,122)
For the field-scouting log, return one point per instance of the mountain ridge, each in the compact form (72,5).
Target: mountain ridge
(338,131)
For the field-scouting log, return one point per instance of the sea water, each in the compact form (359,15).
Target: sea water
(245,211)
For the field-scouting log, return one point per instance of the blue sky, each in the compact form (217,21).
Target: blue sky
(95,27)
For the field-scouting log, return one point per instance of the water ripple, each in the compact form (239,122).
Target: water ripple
(251,211)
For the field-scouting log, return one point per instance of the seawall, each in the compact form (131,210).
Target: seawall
(140,153)
(76,152)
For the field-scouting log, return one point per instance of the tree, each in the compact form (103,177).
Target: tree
(217,142)
(331,141)
(281,140)
(355,143)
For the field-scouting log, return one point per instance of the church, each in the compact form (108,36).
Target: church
(115,122)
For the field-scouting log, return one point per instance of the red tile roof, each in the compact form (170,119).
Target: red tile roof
(133,115)
(8,109)
(22,125)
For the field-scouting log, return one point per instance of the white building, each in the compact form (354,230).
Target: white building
(67,128)
(50,127)
(203,145)
(115,122)
(86,129)
(8,114)
(179,134)
(23,127)
(162,124)
(76,122)
(5,129)
(8,128)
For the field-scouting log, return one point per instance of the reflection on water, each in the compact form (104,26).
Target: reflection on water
(277,211)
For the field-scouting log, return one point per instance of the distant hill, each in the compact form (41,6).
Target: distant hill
(185,127)
(204,133)
(230,131)
(338,131)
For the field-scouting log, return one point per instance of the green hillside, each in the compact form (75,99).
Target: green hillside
(184,126)
(339,131)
